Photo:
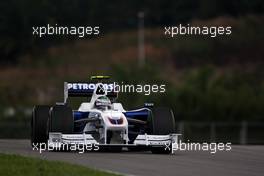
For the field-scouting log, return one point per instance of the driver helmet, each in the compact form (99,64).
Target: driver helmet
(102,102)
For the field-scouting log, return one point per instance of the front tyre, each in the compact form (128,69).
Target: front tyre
(163,123)
(61,119)
(40,115)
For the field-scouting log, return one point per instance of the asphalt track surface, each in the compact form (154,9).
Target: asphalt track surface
(241,160)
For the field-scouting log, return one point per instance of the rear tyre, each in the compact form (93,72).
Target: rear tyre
(40,115)
(163,123)
(61,119)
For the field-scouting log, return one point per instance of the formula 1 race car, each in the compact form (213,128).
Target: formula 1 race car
(102,121)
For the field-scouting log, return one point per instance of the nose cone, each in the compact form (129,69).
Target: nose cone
(115,119)
(114,114)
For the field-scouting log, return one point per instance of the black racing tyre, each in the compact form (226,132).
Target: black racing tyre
(163,123)
(39,120)
(61,119)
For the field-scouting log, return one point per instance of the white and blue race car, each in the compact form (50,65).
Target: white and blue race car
(103,121)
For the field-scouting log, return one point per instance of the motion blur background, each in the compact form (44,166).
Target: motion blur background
(214,85)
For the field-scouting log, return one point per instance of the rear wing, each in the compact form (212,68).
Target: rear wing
(82,89)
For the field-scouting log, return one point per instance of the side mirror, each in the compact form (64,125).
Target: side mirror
(148,105)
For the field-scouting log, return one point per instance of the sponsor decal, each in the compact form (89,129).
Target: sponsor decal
(88,86)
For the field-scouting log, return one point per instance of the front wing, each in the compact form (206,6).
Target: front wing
(59,139)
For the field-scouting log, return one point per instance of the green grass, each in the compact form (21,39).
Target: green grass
(25,166)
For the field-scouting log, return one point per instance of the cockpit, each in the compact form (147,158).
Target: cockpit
(103,103)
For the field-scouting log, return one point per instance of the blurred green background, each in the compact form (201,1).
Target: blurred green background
(207,79)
